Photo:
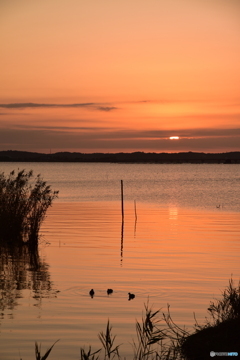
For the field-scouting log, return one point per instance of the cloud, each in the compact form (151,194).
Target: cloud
(109,133)
(56,128)
(36,105)
(95,106)
(212,132)
(106,108)
(92,139)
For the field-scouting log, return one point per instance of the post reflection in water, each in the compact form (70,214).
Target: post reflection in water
(122,230)
(122,234)
(21,268)
(135,222)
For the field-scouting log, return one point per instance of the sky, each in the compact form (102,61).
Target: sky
(120,76)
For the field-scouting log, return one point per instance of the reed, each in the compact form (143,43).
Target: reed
(89,355)
(151,338)
(23,206)
(227,308)
(107,340)
(38,351)
(152,341)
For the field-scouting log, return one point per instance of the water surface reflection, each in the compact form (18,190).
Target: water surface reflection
(21,268)
(178,256)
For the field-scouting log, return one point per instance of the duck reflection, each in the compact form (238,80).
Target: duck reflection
(21,268)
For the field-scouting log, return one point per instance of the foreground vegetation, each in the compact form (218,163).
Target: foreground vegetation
(162,339)
(23,206)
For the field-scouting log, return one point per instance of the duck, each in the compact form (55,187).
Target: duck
(91,293)
(131,296)
(109,291)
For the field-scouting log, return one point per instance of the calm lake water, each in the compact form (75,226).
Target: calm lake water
(181,250)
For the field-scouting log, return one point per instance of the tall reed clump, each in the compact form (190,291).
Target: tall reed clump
(221,331)
(23,206)
(227,308)
(154,341)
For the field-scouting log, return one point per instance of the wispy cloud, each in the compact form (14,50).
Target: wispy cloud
(57,128)
(106,132)
(95,106)
(106,108)
(37,105)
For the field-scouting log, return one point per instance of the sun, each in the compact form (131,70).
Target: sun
(174,137)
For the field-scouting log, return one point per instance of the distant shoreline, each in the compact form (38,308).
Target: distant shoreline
(134,157)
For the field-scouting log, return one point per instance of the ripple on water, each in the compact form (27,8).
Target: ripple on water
(83,291)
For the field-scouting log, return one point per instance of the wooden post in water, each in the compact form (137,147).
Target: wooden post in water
(122,200)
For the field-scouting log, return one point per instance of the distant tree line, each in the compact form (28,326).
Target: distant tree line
(134,157)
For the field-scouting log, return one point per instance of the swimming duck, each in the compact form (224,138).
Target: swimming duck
(91,293)
(131,296)
(109,291)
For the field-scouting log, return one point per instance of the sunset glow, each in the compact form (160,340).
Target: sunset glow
(119,76)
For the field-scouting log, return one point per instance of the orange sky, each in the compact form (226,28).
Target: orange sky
(113,76)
